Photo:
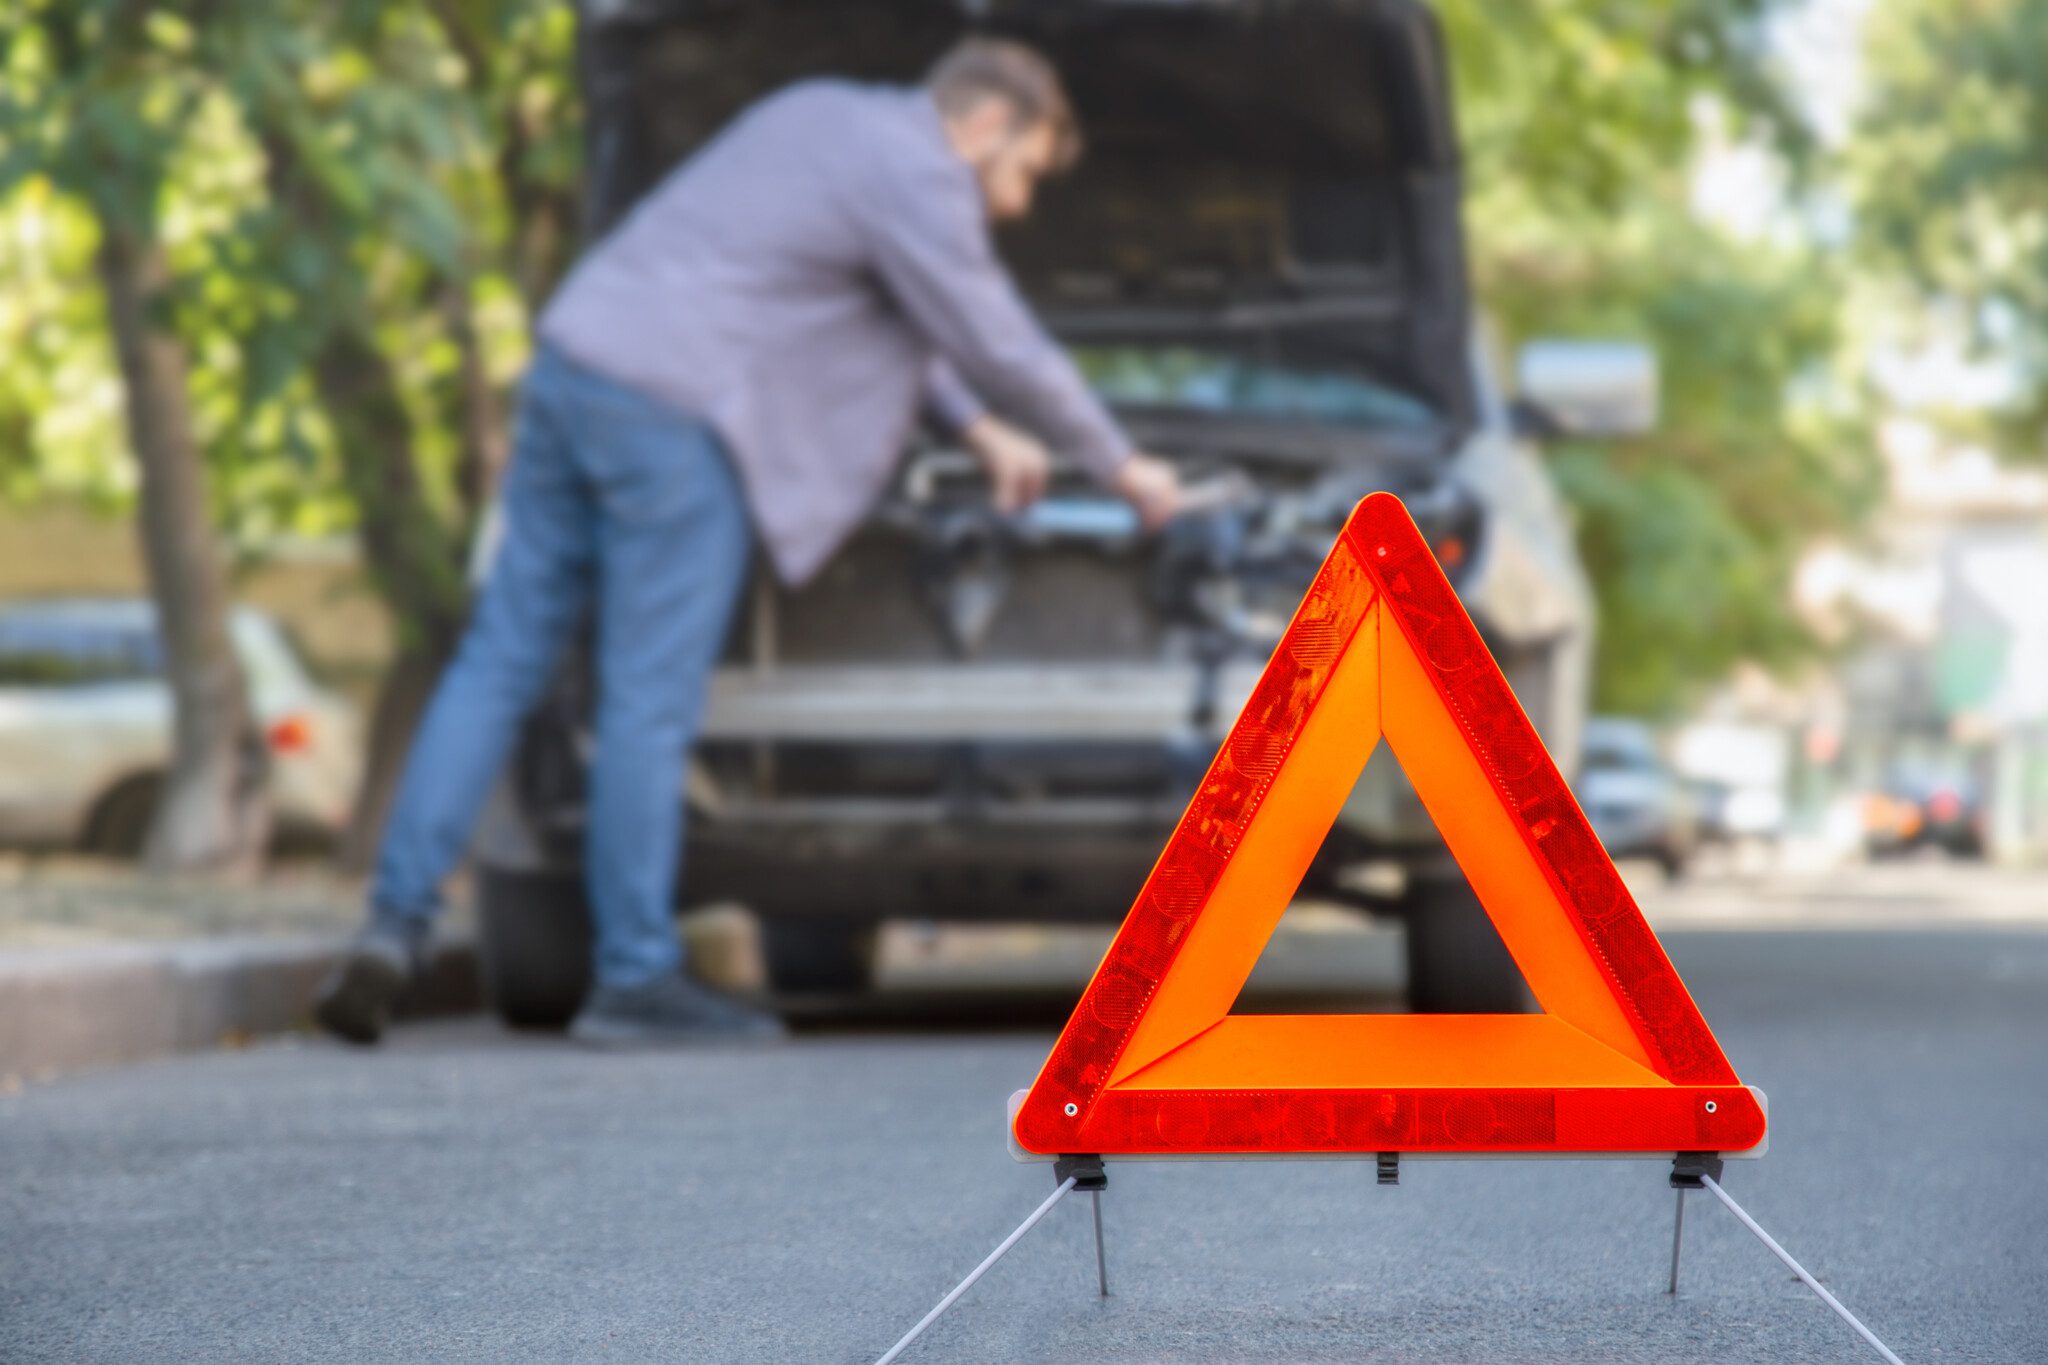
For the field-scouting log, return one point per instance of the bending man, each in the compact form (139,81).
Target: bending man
(745,353)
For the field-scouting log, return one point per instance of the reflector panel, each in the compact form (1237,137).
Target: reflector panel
(1149,1064)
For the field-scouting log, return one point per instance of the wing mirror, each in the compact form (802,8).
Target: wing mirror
(1586,388)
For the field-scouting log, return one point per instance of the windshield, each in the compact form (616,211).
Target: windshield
(1239,386)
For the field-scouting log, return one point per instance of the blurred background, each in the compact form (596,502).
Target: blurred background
(266,276)
(1706,341)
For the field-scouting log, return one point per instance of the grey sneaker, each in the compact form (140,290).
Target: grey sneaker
(669,1011)
(355,1002)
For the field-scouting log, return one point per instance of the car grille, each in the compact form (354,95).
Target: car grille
(882,600)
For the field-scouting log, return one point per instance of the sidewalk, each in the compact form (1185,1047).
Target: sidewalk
(65,900)
(69,1009)
(101,966)
(1913,893)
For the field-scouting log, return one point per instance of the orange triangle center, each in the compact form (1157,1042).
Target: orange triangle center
(1153,1062)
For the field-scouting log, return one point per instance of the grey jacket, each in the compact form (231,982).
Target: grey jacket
(805,283)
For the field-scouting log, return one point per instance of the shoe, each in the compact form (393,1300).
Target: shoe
(670,1010)
(355,1001)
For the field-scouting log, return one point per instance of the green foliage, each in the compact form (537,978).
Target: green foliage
(1691,533)
(1581,121)
(406,134)
(1567,107)
(60,403)
(91,97)
(1949,172)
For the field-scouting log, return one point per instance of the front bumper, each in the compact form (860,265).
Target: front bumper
(1009,713)
(1008,703)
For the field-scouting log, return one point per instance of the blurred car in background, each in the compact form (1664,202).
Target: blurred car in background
(1260,264)
(1919,809)
(1639,807)
(85,725)
(1728,814)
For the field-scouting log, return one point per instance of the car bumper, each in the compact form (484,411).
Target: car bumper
(1182,709)
(976,702)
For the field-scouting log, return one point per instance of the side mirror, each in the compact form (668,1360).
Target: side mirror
(1586,388)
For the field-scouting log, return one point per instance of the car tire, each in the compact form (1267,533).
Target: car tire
(1457,963)
(812,957)
(533,947)
(119,826)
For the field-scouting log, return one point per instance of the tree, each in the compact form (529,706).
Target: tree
(1692,532)
(1580,124)
(1949,179)
(97,95)
(386,193)
(420,171)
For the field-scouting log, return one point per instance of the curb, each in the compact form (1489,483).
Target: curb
(65,1009)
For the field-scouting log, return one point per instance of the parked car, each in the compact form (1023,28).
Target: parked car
(85,725)
(1261,264)
(1638,806)
(1925,808)
(1730,815)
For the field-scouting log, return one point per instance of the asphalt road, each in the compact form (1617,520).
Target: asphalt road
(466,1194)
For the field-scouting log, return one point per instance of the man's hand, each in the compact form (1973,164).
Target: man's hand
(1017,465)
(1149,484)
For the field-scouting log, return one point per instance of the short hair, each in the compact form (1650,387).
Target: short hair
(975,69)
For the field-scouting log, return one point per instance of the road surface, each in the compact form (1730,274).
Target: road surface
(470,1195)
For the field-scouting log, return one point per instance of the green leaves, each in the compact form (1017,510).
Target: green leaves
(1580,118)
(314,168)
(1949,179)
(1692,533)
(1572,108)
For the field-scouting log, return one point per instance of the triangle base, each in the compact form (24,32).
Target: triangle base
(1025,1156)
(1502,1120)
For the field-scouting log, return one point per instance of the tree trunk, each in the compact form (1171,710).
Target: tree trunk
(214,814)
(414,559)
(412,554)
(402,697)
(481,411)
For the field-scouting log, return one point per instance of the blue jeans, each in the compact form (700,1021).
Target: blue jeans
(613,498)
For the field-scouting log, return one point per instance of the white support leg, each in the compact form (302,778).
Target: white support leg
(1797,1269)
(961,1288)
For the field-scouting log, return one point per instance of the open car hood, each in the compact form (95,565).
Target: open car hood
(1281,171)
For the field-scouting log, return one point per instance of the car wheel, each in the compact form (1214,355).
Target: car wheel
(533,945)
(813,957)
(1456,961)
(119,826)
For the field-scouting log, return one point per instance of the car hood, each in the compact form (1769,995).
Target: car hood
(1278,173)
(1284,175)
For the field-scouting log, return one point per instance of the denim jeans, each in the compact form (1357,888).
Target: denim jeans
(613,501)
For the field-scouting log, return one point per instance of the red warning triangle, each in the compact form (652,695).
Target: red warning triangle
(1152,1060)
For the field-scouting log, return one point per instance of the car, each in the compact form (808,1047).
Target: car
(85,725)
(1734,814)
(1260,263)
(1925,807)
(1638,806)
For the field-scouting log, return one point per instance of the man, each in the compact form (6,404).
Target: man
(750,347)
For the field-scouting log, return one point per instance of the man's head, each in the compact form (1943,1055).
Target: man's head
(1007,117)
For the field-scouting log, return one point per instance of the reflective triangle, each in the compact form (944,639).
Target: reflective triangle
(1153,1062)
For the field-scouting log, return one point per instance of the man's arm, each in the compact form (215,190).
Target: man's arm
(1018,468)
(930,244)
(947,398)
